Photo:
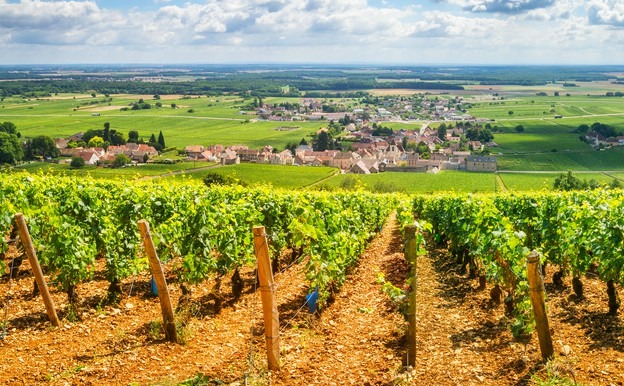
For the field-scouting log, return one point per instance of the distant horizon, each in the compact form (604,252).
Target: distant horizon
(312,64)
(360,32)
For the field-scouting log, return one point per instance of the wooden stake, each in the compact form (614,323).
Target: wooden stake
(161,284)
(536,292)
(267,291)
(410,257)
(34,264)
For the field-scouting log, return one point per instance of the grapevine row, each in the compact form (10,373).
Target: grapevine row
(492,235)
(203,232)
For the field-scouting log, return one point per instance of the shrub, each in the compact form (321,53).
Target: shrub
(77,163)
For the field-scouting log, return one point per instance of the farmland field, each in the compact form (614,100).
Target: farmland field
(417,182)
(519,182)
(278,176)
(126,173)
(212,121)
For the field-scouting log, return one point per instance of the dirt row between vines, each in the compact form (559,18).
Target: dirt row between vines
(358,339)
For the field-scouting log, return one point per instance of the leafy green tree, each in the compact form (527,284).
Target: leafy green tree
(77,163)
(117,138)
(583,129)
(96,142)
(520,129)
(219,179)
(323,141)
(8,127)
(10,149)
(442,132)
(120,161)
(133,136)
(43,146)
(568,182)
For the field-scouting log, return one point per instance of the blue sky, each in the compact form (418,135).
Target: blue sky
(313,31)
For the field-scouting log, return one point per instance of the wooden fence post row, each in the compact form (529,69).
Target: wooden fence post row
(410,257)
(267,292)
(161,284)
(34,264)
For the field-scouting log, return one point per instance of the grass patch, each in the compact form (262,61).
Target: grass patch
(416,182)
(278,176)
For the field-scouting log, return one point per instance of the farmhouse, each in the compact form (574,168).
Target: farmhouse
(480,163)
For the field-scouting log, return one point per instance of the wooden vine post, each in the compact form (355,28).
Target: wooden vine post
(410,257)
(536,292)
(34,264)
(267,292)
(161,284)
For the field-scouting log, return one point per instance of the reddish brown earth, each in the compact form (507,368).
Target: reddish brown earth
(358,339)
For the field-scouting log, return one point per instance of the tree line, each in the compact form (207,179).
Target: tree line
(14,150)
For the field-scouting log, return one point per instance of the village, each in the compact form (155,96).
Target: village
(365,145)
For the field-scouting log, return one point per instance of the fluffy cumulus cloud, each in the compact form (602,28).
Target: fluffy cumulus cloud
(58,23)
(463,31)
(606,12)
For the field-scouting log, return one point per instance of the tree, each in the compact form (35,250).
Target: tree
(77,163)
(106,135)
(120,161)
(568,182)
(422,149)
(323,141)
(8,127)
(214,178)
(10,149)
(43,146)
(442,132)
(510,112)
(117,138)
(133,136)
(583,129)
(520,129)
(161,140)
(96,142)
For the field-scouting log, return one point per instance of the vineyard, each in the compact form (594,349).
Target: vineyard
(328,256)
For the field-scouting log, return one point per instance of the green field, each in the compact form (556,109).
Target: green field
(548,143)
(278,176)
(213,120)
(299,177)
(126,173)
(519,182)
(415,182)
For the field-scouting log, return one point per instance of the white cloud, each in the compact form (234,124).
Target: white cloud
(607,12)
(502,6)
(477,31)
(563,9)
